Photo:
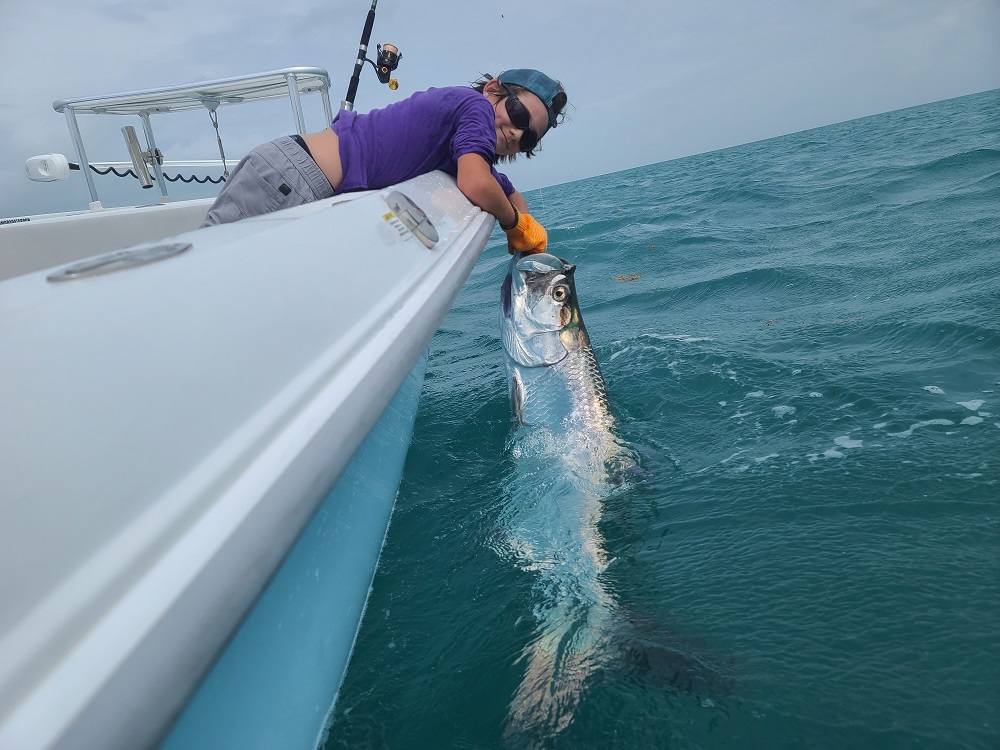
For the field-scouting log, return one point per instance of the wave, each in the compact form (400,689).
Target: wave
(932,340)
(973,158)
(936,176)
(751,282)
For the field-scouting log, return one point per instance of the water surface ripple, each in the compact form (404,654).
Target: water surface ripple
(801,339)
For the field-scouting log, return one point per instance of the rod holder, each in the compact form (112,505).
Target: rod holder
(138,157)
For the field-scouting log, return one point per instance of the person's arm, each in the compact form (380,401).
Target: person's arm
(517,201)
(478,184)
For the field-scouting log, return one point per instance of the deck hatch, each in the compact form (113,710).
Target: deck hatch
(119,260)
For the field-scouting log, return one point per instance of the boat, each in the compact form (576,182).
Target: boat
(202,438)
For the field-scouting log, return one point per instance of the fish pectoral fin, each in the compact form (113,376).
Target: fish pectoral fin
(517,397)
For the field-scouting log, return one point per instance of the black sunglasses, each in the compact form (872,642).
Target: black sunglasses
(520,119)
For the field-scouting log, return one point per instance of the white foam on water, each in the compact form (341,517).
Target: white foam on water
(783,411)
(815,394)
(755,394)
(879,426)
(968,476)
(985,414)
(845,442)
(972,420)
(971,405)
(740,414)
(907,433)
(933,389)
(722,403)
(796,372)
(845,406)
(832,453)
(682,337)
(616,355)
(762,459)
(727,460)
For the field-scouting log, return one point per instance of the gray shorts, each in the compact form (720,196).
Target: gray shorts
(277,175)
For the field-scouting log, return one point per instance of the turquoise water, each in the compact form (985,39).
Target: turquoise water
(801,341)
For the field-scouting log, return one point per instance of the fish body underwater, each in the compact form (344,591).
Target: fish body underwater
(566,456)
(568,462)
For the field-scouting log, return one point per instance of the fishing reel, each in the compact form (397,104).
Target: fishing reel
(388,60)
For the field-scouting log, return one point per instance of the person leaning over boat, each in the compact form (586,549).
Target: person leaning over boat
(460,130)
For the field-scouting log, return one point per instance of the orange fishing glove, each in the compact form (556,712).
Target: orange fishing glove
(527,236)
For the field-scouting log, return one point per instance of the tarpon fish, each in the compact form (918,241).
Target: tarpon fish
(566,454)
(568,461)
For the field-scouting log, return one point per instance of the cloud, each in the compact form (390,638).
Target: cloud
(647,81)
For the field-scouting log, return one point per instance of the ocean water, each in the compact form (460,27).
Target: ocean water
(801,342)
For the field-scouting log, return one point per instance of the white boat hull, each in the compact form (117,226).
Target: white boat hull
(169,430)
(276,683)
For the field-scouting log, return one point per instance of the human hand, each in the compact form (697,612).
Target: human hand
(527,236)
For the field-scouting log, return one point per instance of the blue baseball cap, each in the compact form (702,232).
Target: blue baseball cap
(538,84)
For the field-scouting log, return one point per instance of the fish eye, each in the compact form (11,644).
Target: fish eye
(560,293)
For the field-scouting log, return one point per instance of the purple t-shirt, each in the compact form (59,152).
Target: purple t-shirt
(427,131)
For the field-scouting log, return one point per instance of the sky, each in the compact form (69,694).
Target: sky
(648,80)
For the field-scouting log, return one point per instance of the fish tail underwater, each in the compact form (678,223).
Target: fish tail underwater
(782,530)
(550,529)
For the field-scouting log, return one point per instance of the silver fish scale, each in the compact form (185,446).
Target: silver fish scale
(569,392)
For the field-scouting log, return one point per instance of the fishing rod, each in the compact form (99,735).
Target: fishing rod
(388,59)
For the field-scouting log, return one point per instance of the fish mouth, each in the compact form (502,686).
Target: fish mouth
(541,263)
(505,296)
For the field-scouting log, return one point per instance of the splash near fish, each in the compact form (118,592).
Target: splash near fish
(568,463)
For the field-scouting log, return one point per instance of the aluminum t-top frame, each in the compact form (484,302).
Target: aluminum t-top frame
(276,84)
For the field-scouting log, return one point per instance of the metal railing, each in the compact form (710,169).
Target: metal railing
(210,95)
